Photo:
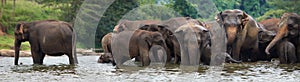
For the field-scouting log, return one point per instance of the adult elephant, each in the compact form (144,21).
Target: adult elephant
(196,45)
(193,39)
(139,43)
(241,32)
(132,25)
(106,45)
(270,24)
(51,37)
(288,29)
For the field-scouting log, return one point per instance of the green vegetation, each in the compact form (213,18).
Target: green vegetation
(87,19)
(23,11)
(7,42)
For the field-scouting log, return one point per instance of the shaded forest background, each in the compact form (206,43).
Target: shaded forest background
(13,11)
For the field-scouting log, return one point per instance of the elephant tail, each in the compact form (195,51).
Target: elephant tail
(74,46)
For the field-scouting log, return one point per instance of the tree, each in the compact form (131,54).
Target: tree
(69,7)
(111,17)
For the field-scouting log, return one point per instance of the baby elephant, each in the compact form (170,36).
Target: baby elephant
(106,45)
(286,52)
(284,49)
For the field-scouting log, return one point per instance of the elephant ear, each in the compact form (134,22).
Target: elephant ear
(219,18)
(21,28)
(245,18)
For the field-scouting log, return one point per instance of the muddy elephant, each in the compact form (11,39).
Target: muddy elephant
(106,45)
(270,24)
(137,44)
(132,25)
(288,29)
(284,50)
(51,37)
(241,32)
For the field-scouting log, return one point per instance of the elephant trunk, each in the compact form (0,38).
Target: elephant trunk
(228,57)
(17,51)
(231,34)
(280,34)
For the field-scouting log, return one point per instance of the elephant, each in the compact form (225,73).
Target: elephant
(51,37)
(139,43)
(194,38)
(106,45)
(174,23)
(132,25)
(284,50)
(192,34)
(171,41)
(270,24)
(288,29)
(241,32)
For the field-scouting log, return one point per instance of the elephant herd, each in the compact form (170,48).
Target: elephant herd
(179,40)
(188,41)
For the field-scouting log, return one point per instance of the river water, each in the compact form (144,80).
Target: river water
(88,70)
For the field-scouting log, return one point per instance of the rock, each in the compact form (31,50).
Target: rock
(11,53)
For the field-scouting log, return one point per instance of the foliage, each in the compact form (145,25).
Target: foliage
(22,12)
(69,7)
(7,42)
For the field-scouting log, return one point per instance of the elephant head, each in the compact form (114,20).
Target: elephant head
(288,27)
(21,35)
(156,41)
(202,34)
(233,22)
(106,58)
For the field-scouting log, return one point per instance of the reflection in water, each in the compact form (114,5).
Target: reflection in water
(56,69)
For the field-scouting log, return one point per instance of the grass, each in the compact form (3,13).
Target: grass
(7,42)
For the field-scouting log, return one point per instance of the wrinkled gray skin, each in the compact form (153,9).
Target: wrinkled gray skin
(192,34)
(171,25)
(241,32)
(50,37)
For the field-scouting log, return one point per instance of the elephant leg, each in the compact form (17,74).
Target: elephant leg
(236,51)
(184,56)
(282,57)
(291,53)
(194,55)
(71,58)
(254,55)
(145,57)
(37,57)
